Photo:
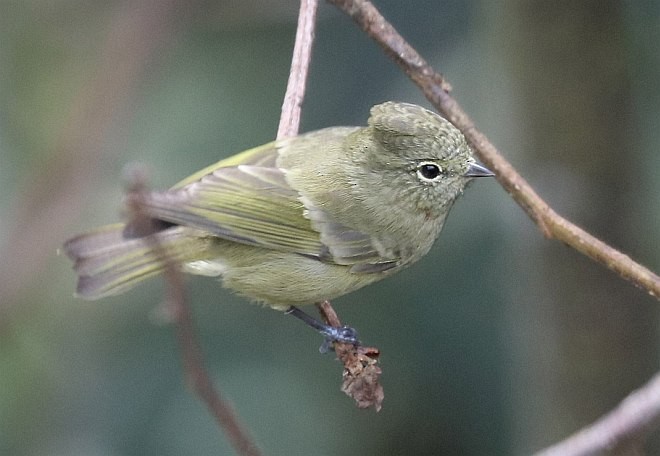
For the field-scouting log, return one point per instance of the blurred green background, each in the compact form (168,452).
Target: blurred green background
(498,342)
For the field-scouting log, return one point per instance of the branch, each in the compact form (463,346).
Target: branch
(436,89)
(641,410)
(635,416)
(361,372)
(136,34)
(197,378)
(302,56)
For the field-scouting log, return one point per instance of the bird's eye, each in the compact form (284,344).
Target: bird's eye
(429,171)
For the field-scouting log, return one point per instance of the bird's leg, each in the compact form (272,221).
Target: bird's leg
(344,334)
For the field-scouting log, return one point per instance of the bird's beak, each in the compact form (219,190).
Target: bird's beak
(477,170)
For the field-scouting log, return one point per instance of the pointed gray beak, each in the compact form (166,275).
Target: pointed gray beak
(477,170)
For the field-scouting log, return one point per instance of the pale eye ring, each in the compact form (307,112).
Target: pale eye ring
(429,171)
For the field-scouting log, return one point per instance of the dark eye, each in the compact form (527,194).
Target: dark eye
(429,171)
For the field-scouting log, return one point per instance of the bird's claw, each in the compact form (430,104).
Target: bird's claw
(344,335)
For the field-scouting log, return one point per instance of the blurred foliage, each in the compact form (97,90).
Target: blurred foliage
(499,342)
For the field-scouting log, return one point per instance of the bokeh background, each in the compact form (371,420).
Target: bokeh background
(498,342)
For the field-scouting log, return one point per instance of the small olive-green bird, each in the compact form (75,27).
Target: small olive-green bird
(299,220)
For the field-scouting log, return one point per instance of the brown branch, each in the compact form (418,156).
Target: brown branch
(627,424)
(361,377)
(361,371)
(619,429)
(57,189)
(197,377)
(302,56)
(436,89)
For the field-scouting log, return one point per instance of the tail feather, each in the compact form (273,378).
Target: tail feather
(108,262)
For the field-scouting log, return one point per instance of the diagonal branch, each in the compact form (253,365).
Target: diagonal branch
(629,423)
(635,415)
(436,89)
(197,377)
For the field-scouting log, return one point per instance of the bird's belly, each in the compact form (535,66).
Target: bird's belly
(281,279)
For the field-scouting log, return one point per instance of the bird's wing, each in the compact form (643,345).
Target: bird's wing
(265,156)
(248,200)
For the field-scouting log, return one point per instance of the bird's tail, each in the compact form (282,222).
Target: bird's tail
(109,262)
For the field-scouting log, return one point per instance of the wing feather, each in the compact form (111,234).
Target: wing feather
(247,199)
(245,203)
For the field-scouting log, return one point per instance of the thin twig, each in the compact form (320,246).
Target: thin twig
(436,90)
(361,371)
(302,56)
(635,415)
(136,33)
(361,377)
(197,376)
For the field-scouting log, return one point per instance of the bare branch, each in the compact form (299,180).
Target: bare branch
(436,89)
(623,426)
(197,377)
(630,422)
(361,378)
(302,56)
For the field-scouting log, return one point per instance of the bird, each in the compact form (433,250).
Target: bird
(299,220)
